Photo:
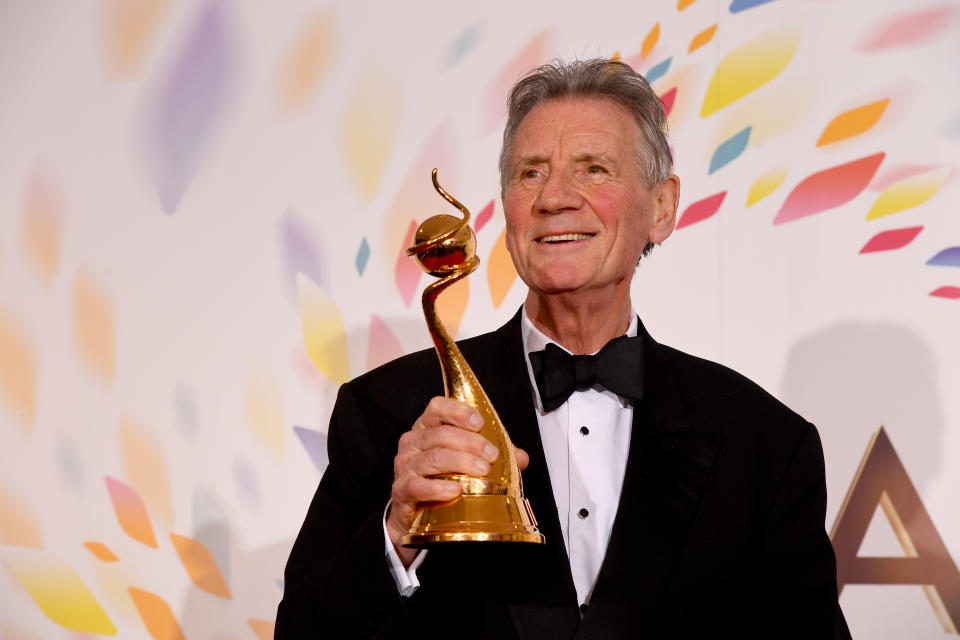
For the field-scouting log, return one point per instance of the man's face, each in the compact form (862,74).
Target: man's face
(578,214)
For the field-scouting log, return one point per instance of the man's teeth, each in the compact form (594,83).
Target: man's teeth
(566,237)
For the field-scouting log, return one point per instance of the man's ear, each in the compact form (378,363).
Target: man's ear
(666,196)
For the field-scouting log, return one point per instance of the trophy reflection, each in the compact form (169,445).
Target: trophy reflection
(491,508)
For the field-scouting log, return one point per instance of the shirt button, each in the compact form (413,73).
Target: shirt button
(583,513)
(584,430)
(583,609)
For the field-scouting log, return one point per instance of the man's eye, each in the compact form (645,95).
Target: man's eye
(595,168)
(531,173)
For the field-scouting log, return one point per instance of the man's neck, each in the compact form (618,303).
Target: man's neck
(581,324)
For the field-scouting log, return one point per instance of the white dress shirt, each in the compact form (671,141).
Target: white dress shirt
(585,441)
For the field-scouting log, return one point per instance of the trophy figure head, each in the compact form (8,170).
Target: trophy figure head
(452,253)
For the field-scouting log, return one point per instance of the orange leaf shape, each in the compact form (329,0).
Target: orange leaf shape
(650,41)
(18,369)
(18,524)
(93,326)
(501,273)
(145,467)
(131,514)
(683,4)
(156,615)
(41,234)
(702,38)
(852,123)
(263,628)
(101,552)
(201,566)
(451,305)
(309,60)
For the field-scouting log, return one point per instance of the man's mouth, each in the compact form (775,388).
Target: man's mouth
(565,237)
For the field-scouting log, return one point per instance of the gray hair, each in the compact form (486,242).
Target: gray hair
(599,78)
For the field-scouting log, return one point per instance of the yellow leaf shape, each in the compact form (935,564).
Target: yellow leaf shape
(452,303)
(370,126)
(145,467)
(852,123)
(130,25)
(18,523)
(57,589)
(650,41)
(93,326)
(323,332)
(41,233)
(683,4)
(18,369)
(765,185)
(263,399)
(157,617)
(702,38)
(263,628)
(131,514)
(101,552)
(309,60)
(908,193)
(750,66)
(201,566)
(501,273)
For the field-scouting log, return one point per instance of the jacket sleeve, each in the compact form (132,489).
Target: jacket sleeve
(797,564)
(337,582)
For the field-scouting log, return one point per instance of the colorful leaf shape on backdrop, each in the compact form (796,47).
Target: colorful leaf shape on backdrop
(909,28)
(101,552)
(658,70)
(667,100)
(701,210)
(382,344)
(156,614)
(93,327)
(201,566)
(853,122)
(192,100)
(300,250)
(452,304)
(18,523)
(323,332)
(41,229)
(908,193)
(750,66)
(246,482)
(534,53)
(315,444)
(949,257)
(650,41)
(129,28)
(829,188)
(145,467)
(363,255)
(891,240)
(742,5)
(484,216)
(729,150)
(765,185)
(683,4)
(890,173)
(57,589)
(309,60)
(262,628)
(501,274)
(948,292)
(18,370)
(130,511)
(369,130)
(263,404)
(407,272)
(702,38)
(461,46)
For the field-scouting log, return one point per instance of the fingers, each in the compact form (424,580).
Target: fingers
(523,458)
(443,410)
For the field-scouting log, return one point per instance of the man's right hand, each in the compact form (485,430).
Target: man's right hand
(444,439)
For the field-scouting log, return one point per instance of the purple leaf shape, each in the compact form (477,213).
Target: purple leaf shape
(301,254)
(315,443)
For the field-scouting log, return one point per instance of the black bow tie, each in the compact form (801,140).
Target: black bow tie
(616,367)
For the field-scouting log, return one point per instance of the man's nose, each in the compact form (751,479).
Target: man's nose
(558,194)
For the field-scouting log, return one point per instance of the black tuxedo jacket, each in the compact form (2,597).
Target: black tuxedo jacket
(720,526)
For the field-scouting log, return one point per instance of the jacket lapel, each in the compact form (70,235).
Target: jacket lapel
(542,598)
(667,469)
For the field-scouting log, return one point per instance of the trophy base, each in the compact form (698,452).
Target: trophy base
(475,518)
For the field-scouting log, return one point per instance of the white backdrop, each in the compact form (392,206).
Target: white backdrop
(203,206)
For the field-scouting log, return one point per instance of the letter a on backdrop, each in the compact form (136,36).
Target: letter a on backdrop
(882,479)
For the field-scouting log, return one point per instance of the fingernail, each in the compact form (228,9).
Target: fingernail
(482,467)
(491,452)
(476,420)
(452,489)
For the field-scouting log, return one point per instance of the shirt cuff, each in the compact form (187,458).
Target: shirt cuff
(405,578)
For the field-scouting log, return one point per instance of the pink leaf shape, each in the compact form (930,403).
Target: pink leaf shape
(407,271)
(892,239)
(907,28)
(130,512)
(483,217)
(667,100)
(829,188)
(948,292)
(701,210)
(383,346)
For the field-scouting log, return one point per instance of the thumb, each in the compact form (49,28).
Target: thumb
(523,459)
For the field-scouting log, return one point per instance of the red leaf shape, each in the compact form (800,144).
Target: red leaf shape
(829,188)
(892,239)
(483,217)
(701,210)
(667,100)
(951,293)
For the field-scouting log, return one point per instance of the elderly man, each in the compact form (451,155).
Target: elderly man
(677,498)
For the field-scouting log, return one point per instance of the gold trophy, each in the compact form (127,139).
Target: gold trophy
(491,508)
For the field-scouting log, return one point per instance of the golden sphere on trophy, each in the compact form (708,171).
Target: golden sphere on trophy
(450,254)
